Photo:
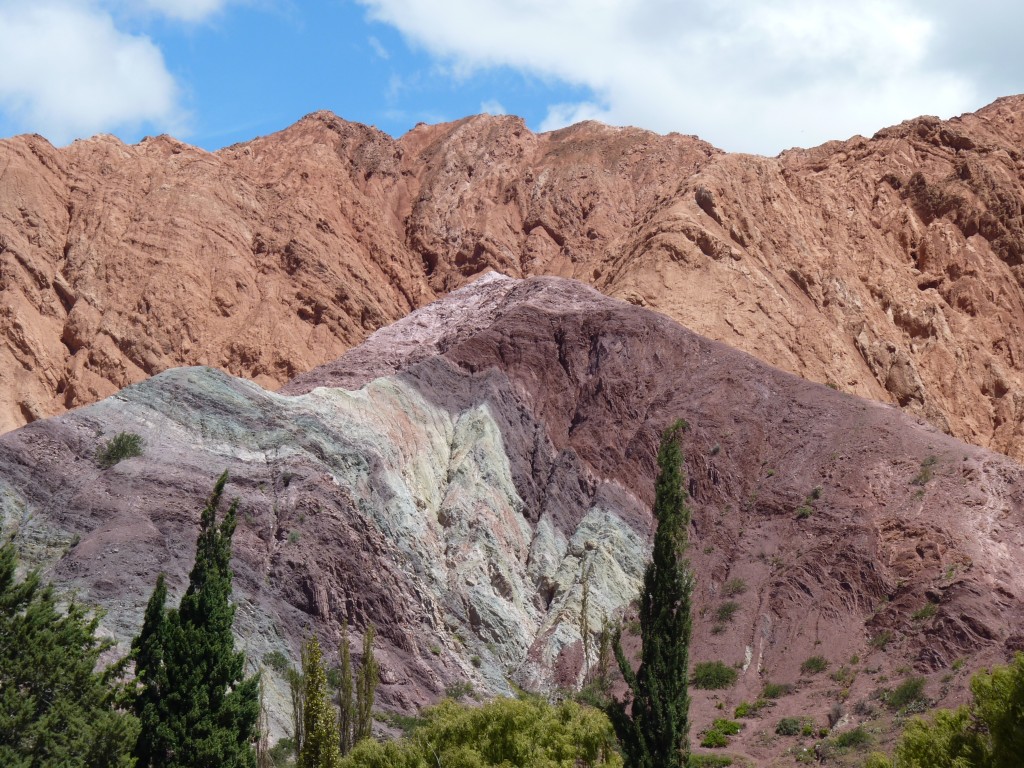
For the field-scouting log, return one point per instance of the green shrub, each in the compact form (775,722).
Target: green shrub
(987,732)
(814,665)
(713,675)
(803,512)
(734,587)
(526,731)
(926,473)
(728,727)
(881,640)
(726,611)
(714,740)
(843,675)
(776,690)
(789,726)
(277,661)
(747,709)
(709,761)
(929,610)
(281,753)
(123,445)
(877,760)
(906,695)
(852,739)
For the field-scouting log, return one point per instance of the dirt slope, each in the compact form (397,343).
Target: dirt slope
(888,267)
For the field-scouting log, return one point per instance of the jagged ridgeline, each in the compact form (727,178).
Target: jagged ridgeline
(454,479)
(889,267)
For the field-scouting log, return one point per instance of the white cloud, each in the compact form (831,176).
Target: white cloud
(493,107)
(186,10)
(746,75)
(378,48)
(68,72)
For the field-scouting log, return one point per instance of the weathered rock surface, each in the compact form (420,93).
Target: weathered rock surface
(887,267)
(453,478)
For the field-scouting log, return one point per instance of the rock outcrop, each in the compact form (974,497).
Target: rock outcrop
(887,267)
(454,478)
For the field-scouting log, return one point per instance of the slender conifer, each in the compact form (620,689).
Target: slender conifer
(654,731)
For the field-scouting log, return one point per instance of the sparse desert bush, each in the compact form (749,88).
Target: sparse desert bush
(713,675)
(814,665)
(788,726)
(726,611)
(121,446)
(855,737)
(734,587)
(776,690)
(926,473)
(908,695)
(748,709)
(714,740)
(881,640)
(929,610)
(277,661)
(728,727)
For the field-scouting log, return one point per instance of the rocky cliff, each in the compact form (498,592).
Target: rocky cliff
(455,478)
(887,267)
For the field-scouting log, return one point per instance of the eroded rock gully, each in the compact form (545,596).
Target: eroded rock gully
(888,267)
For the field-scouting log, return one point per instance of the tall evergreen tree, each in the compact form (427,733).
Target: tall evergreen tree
(366,689)
(195,705)
(320,743)
(654,732)
(346,695)
(151,679)
(55,707)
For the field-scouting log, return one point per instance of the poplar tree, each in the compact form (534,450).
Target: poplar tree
(366,689)
(654,731)
(320,742)
(194,702)
(346,696)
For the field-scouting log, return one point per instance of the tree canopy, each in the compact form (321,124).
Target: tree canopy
(525,732)
(195,705)
(55,707)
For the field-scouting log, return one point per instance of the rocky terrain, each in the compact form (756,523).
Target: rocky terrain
(455,478)
(888,267)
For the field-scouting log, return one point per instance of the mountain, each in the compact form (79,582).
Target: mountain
(888,267)
(453,478)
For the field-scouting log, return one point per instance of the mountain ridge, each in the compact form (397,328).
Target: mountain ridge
(888,267)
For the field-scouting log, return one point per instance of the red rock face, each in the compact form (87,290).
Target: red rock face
(887,267)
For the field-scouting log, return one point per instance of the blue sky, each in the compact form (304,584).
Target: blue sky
(747,75)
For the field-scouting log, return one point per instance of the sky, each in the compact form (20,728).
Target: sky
(747,75)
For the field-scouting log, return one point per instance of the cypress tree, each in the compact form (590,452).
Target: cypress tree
(56,708)
(196,706)
(320,743)
(654,732)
